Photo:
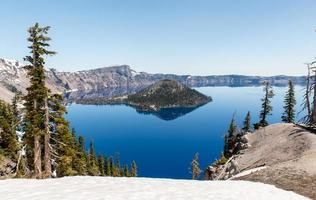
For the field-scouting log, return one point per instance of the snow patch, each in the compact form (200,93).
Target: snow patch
(109,188)
(247,172)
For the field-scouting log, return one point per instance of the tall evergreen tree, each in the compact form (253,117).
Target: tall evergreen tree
(247,123)
(289,107)
(36,100)
(266,104)
(134,169)
(195,169)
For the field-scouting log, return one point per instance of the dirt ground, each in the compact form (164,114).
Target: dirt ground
(289,153)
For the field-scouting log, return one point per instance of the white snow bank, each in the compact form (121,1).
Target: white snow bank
(108,188)
(247,172)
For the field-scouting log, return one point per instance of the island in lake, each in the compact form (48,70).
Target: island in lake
(164,94)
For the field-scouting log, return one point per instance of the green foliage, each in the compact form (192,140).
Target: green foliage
(101,163)
(195,169)
(36,98)
(8,137)
(80,160)
(247,123)
(93,169)
(126,171)
(289,107)
(167,93)
(230,138)
(220,161)
(62,139)
(133,172)
(266,104)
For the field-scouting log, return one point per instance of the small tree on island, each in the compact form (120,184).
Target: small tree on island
(266,105)
(195,169)
(247,123)
(289,107)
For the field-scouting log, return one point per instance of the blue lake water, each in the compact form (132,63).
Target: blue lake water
(164,148)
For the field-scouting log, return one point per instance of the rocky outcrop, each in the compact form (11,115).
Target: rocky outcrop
(283,155)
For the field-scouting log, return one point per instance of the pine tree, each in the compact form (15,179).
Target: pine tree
(289,101)
(93,169)
(15,110)
(195,169)
(101,162)
(117,171)
(247,123)
(111,169)
(63,139)
(80,161)
(133,172)
(266,104)
(126,171)
(230,138)
(8,137)
(232,127)
(36,100)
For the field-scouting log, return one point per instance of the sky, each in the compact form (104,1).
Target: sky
(197,37)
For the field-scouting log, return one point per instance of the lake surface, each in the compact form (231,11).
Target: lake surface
(164,144)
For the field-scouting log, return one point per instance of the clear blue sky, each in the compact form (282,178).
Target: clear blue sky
(200,37)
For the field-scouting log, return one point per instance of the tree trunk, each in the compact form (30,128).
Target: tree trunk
(47,156)
(314,102)
(37,157)
(37,152)
(308,106)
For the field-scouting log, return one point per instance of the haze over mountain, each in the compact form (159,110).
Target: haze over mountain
(13,77)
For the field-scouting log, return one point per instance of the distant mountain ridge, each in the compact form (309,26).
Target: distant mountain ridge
(13,78)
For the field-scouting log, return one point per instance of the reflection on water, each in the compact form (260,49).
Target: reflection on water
(169,113)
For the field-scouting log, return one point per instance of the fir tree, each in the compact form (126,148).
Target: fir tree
(93,169)
(232,127)
(80,160)
(109,169)
(133,172)
(195,169)
(230,138)
(63,138)
(101,163)
(266,104)
(36,100)
(126,171)
(289,101)
(8,138)
(117,171)
(247,123)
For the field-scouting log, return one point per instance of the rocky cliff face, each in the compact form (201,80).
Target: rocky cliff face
(13,77)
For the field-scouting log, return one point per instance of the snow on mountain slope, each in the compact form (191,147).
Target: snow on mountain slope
(109,188)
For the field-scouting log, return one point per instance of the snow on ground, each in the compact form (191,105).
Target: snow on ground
(108,188)
(244,173)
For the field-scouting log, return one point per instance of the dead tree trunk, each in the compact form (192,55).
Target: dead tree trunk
(37,152)
(314,101)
